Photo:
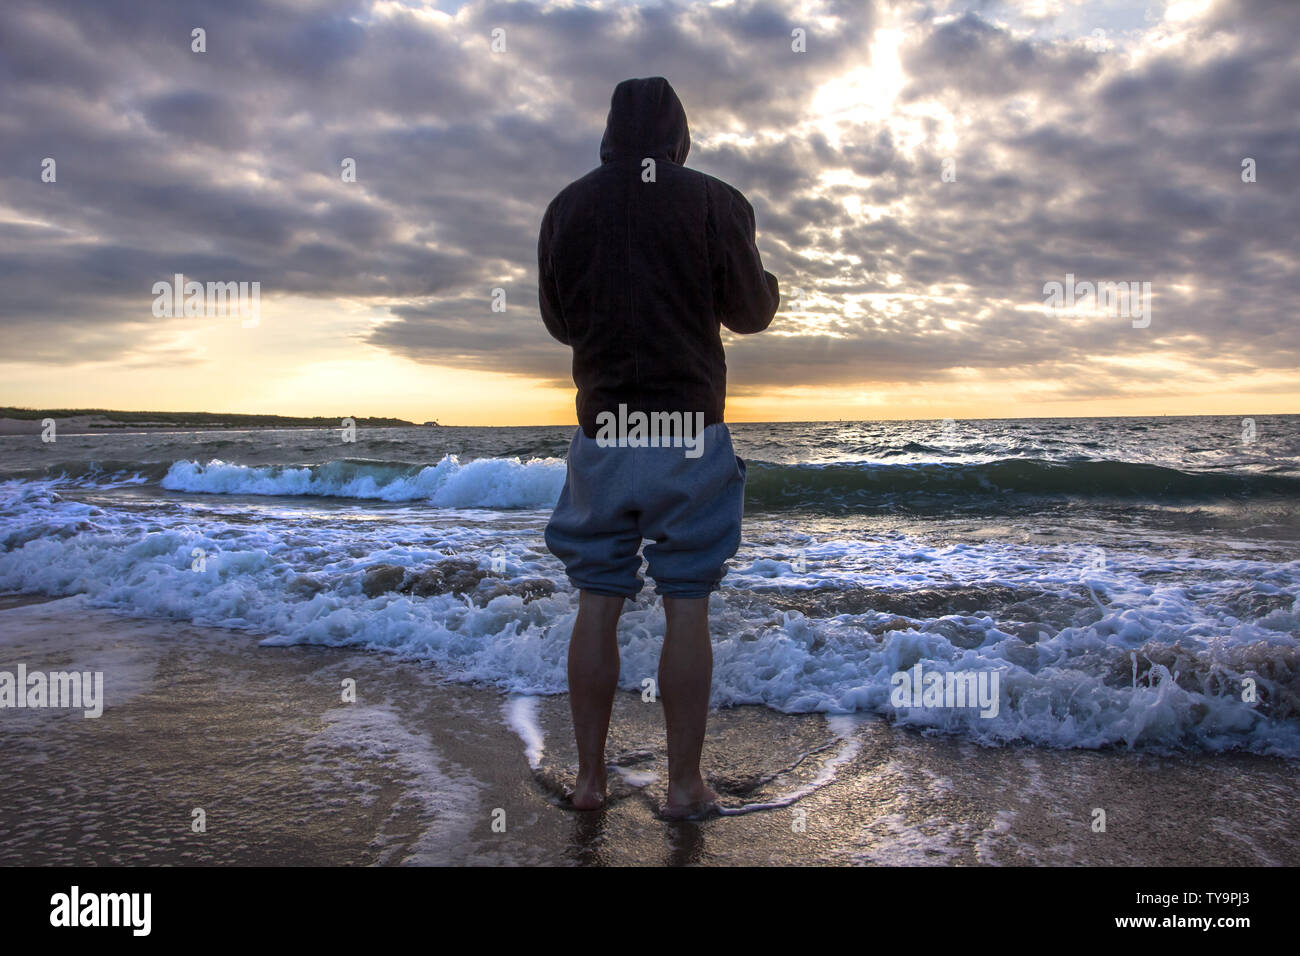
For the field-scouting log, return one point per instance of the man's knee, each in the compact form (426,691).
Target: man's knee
(601,604)
(687,612)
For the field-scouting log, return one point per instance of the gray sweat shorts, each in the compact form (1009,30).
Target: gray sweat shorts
(689,509)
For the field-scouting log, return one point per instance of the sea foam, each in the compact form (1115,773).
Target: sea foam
(481,483)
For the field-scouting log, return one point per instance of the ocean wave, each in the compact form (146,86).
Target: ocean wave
(1132,677)
(1117,653)
(481,483)
(515,482)
(867,485)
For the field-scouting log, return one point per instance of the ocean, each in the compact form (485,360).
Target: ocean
(1132,582)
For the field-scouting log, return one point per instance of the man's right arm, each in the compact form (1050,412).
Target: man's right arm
(745,296)
(548,293)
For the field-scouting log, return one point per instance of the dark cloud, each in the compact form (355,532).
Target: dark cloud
(198,116)
(974,58)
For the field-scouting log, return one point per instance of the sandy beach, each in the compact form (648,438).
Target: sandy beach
(419,771)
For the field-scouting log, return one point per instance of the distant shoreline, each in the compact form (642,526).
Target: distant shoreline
(26,421)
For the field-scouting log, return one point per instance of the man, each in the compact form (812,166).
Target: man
(639,263)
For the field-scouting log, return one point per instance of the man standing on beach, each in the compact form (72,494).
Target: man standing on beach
(640,261)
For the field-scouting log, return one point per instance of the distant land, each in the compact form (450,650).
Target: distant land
(24,421)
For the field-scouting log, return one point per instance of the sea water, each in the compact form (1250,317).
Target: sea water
(1131,582)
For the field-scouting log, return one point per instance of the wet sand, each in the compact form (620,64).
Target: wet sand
(418,771)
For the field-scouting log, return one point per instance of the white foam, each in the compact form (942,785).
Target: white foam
(844,728)
(1059,690)
(445,796)
(637,779)
(521,715)
(481,483)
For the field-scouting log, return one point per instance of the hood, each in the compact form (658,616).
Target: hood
(645,119)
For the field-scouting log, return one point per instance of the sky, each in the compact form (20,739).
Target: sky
(920,173)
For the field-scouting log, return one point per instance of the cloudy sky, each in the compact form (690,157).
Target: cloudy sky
(918,174)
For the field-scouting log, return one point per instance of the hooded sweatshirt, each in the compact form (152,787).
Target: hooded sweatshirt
(638,276)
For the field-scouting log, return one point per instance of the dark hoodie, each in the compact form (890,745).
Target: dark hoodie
(636,276)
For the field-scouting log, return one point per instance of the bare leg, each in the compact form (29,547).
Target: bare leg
(685,678)
(593,678)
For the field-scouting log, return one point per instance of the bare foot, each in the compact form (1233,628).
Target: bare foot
(589,791)
(691,802)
